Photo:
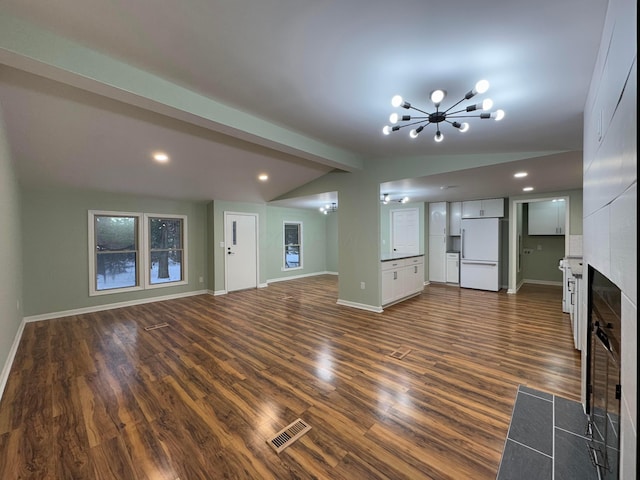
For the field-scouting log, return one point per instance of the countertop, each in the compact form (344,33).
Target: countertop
(399,256)
(575,265)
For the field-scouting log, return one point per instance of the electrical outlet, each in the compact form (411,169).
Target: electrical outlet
(361,285)
(539,248)
(201,280)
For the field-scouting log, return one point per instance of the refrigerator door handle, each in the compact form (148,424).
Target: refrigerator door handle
(471,262)
(462,244)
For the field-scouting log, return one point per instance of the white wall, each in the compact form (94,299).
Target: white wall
(610,195)
(10,255)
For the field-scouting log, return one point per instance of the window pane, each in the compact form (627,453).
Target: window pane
(115,270)
(115,234)
(166,266)
(291,234)
(292,256)
(165,233)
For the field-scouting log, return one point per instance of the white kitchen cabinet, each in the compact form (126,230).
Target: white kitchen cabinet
(438,218)
(401,278)
(547,218)
(415,275)
(489,207)
(437,258)
(455,215)
(438,225)
(453,268)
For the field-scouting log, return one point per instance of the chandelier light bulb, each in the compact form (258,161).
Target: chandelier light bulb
(438,137)
(386,130)
(464,127)
(487,104)
(396,101)
(413,133)
(482,86)
(393,118)
(498,115)
(437,96)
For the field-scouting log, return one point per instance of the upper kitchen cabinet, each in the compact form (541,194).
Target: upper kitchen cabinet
(489,207)
(438,218)
(547,218)
(455,215)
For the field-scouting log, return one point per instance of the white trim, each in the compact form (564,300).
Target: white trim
(110,306)
(542,282)
(146,281)
(360,306)
(215,293)
(294,277)
(513,233)
(300,245)
(93,292)
(4,377)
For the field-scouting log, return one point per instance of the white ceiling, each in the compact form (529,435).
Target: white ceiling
(323,70)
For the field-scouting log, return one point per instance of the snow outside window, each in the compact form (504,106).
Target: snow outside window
(166,255)
(120,250)
(292,245)
(114,246)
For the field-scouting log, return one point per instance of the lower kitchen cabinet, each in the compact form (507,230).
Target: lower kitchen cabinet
(401,278)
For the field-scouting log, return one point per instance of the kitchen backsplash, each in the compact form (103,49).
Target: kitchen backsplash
(575,246)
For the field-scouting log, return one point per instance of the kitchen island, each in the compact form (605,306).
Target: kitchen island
(402,277)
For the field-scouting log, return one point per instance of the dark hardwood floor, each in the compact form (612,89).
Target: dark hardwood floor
(98,396)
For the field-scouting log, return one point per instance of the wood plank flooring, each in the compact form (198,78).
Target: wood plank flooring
(96,396)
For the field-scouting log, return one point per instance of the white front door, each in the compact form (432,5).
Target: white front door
(404,231)
(241,251)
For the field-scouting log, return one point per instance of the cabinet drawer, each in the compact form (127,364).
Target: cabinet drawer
(414,261)
(392,264)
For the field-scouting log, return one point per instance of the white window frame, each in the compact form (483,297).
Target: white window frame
(93,291)
(147,251)
(299,244)
(143,280)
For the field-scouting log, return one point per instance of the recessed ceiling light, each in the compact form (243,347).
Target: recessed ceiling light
(161,157)
(520,174)
(527,189)
(263,177)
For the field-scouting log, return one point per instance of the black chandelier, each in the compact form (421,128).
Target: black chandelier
(440,116)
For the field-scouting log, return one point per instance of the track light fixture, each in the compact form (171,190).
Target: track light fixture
(440,116)
(329,208)
(386,198)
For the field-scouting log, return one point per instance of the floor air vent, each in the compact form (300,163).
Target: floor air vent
(288,435)
(156,326)
(400,353)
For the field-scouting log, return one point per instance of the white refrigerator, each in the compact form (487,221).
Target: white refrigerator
(480,253)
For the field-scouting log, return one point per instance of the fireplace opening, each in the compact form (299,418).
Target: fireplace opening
(603,373)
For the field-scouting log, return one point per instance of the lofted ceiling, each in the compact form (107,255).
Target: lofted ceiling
(292,88)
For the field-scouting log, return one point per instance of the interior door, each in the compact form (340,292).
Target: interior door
(241,251)
(405,236)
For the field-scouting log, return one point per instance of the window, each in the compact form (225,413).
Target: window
(292,245)
(166,254)
(118,256)
(114,245)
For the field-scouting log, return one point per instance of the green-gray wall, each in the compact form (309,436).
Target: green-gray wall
(10,256)
(55,247)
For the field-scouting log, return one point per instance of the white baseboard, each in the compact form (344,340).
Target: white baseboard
(295,277)
(542,282)
(4,377)
(110,306)
(361,306)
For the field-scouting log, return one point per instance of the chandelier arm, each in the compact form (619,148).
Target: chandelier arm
(414,123)
(418,110)
(465,116)
(455,105)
